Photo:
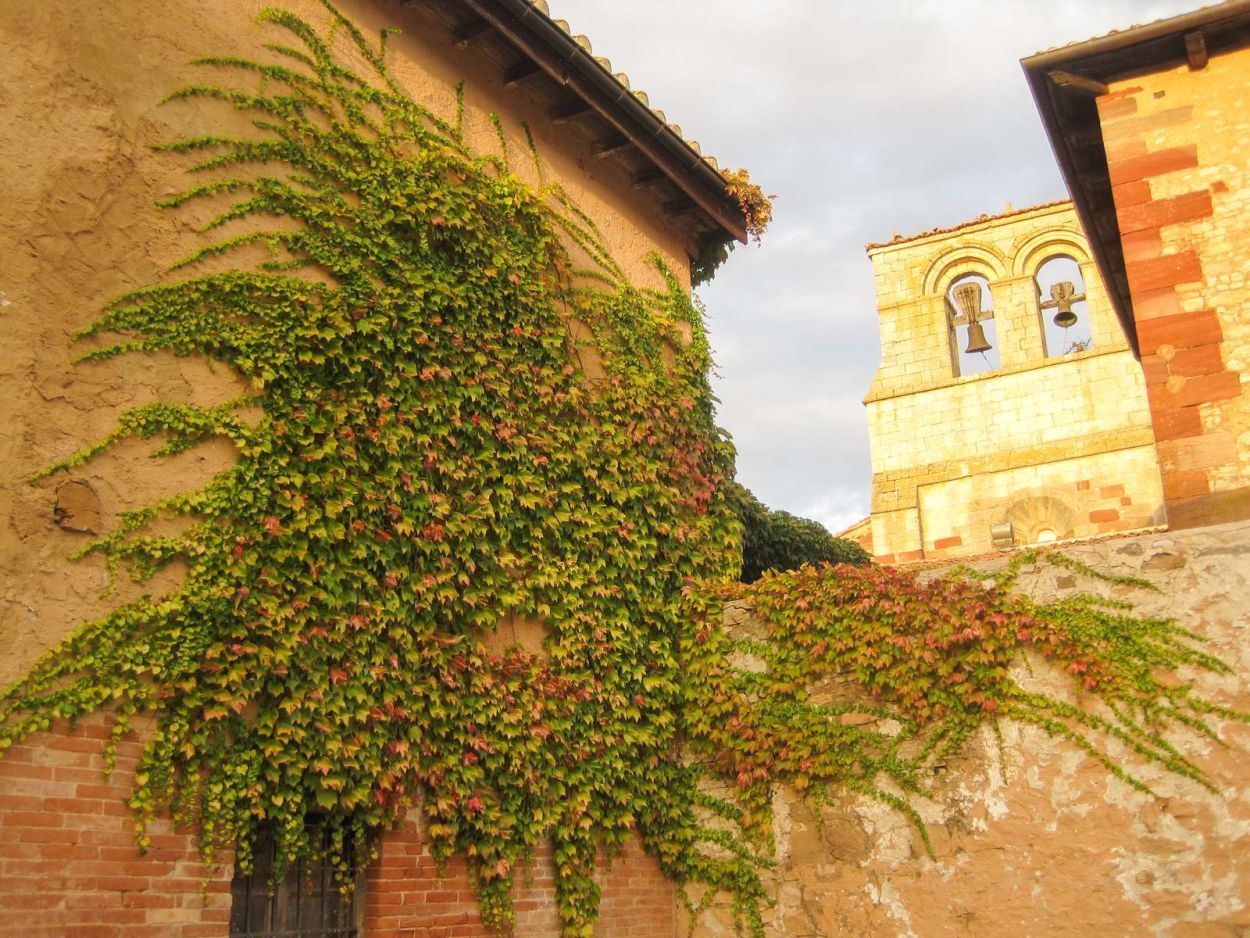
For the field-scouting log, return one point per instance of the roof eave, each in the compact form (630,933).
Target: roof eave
(1101,227)
(565,61)
(1069,113)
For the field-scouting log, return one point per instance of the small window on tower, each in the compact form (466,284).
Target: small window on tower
(970,316)
(1061,301)
(306,903)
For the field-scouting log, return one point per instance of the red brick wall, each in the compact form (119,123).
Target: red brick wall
(405,898)
(68,862)
(69,865)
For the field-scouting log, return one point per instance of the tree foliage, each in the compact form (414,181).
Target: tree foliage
(777,540)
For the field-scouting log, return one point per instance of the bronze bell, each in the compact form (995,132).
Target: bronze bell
(976,339)
(1062,296)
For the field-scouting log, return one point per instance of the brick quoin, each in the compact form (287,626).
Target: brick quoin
(1136,127)
(1125,148)
(1198,360)
(1157,304)
(1118,105)
(1141,246)
(1200,390)
(69,866)
(1155,368)
(1177,422)
(1131,193)
(1186,483)
(1158,163)
(1167,271)
(1189,207)
(1185,330)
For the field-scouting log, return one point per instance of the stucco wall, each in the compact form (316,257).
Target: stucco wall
(80,89)
(1037,840)
(1177,146)
(952,454)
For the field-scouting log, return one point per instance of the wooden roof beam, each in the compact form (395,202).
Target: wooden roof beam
(1077,82)
(523,70)
(1196,50)
(612,144)
(466,33)
(569,111)
(647,178)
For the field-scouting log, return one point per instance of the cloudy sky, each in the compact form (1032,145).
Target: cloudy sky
(865,118)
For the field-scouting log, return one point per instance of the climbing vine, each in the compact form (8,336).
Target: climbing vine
(431,458)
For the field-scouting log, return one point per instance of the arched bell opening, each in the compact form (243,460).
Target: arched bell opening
(1062,306)
(970,320)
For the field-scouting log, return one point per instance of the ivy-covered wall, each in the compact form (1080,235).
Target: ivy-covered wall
(455,417)
(1029,837)
(83,86)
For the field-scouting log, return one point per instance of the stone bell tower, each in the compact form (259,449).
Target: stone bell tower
(1008,409)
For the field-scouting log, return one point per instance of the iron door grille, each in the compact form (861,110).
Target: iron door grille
(305,904)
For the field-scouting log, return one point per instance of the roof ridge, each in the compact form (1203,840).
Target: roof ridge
(979,220)
(1207,8)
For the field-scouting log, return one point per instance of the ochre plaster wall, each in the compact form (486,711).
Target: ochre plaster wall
(953,454)
(81,84)
(1178,152)
(1036,839)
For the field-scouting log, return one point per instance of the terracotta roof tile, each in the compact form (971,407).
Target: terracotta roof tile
(1128,29)
(979,220)
(622,79)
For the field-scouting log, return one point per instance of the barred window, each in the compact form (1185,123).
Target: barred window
(305,904)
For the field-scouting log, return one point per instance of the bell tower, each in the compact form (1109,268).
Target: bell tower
(1007,409)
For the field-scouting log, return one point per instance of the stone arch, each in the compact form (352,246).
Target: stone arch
(1038,248)
(958,261)
(1033,512)
(1054,249)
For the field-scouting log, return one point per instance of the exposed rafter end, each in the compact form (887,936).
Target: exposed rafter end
(646,178)
(1196,50)
(520,72)
(1077,82)
(467,33)
(682,206)
(610,145)
(569,111)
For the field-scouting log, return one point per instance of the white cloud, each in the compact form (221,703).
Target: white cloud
(865,119)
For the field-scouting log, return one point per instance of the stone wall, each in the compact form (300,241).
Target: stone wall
(1033,441)
(1036,839)
(1176,144)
